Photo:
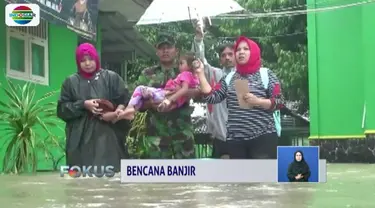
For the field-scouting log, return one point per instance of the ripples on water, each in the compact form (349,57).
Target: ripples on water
(51,191)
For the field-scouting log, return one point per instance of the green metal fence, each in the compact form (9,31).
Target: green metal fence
(294,136)
(297,136)
(203,145)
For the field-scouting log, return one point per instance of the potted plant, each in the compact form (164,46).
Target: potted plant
(53,148)
(24,120)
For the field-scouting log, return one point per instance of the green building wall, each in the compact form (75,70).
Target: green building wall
(62,45)
(341,70)
(368,42)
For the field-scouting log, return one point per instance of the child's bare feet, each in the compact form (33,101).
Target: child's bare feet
(127,114)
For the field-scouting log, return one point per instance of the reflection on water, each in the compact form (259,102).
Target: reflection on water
(348,186)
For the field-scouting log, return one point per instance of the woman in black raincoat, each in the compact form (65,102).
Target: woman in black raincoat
(91,137)
(299,170)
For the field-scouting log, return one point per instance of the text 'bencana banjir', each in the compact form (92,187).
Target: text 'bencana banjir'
(160,170)
(88,171)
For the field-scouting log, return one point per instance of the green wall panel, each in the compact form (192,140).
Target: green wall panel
(340,69)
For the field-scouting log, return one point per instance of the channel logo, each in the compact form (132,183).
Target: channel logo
(24,15)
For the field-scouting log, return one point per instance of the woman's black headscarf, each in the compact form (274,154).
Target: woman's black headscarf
(298,167)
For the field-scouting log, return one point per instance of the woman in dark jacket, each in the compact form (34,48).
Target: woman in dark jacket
(299,170)
(92,139)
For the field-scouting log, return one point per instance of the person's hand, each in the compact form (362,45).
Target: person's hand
(166,102)
(199,31)
(92,106)
(299,176)
(118,111)
(127,114)
(109,116)
(164,105)
(251,99)
(198,67)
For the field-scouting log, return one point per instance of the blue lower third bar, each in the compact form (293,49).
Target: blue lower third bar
(204,171)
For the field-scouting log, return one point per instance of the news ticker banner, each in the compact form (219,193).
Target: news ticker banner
(210,171)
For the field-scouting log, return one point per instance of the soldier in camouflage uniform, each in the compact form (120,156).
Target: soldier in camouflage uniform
(170,133)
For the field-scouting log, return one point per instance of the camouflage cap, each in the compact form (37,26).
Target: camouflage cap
(164,38)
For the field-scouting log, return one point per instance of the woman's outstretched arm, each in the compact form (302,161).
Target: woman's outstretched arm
(212,96)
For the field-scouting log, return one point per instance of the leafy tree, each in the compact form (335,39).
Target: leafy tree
(283,41)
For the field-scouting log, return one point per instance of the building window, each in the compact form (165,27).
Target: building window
(27,53)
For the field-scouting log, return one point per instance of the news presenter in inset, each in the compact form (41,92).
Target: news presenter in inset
(298,164)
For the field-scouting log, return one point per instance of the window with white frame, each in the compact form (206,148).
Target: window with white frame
(27,53)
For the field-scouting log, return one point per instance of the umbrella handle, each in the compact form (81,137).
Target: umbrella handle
(204,22)
(201,20)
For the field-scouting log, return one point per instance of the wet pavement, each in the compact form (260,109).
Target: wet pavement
(349,185)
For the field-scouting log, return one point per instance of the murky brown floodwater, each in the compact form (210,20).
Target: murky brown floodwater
(349,185)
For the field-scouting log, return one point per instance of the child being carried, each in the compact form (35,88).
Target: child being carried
(174,93)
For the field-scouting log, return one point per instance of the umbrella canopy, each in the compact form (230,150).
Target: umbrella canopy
(163,11)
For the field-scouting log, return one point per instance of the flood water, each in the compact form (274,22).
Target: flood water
(349,185)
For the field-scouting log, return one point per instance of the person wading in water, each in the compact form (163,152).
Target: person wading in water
(91,137)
